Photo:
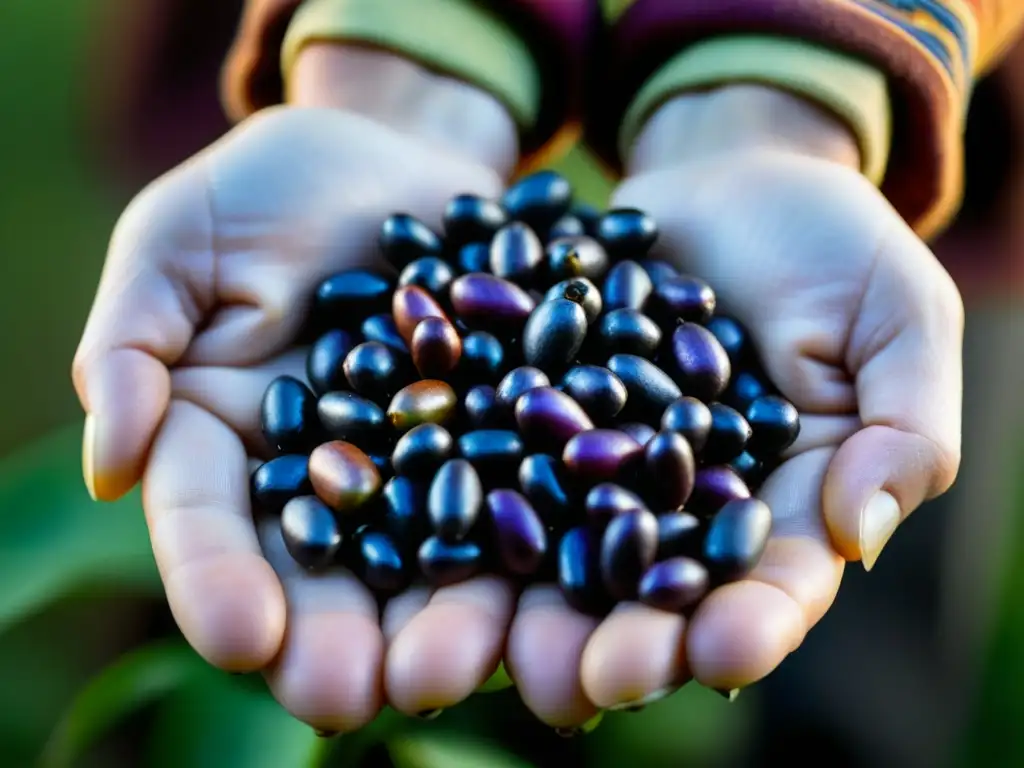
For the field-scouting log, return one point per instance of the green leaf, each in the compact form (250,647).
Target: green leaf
(54,540)
(136,679)
(450,751)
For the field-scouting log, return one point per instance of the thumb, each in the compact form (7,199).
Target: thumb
(905,350)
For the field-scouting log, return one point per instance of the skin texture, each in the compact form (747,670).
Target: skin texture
(192,320)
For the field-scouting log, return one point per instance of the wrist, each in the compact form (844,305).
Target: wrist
(739,118)
(391,90)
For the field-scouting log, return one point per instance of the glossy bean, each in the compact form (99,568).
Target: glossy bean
(554,334)
(540,478)
(410,305)
(650,390)
(519,538)
(494,453)
(775,425)
(567,226)
(481,409)
(626,286)
(446,563)
(599,392)
(436,347)
(674,585)
(539,199)
(579,571)
(516,254)
(454,500)
(343,476)
(278,481)
(310,531)
(743,390)
(429,401)
(683,298)
(548,418)
(627,233)
(680,534)
(731,335)
(570,257)
(580,290)
(691,418)
(630,332)
(430,273)
(670,470)
(404,238)
(381,565)
(601,455)
(715,487)
(404,511)
(628,547)
(382,328)
(736,539)
(608,500)
(354,419)
(700,364)
(642,433)
(487,302)
(728,436)
(517,383)
(472,219)
(288,416)
(326,359)
(474,258)
(659,271)
(346,299)
(483,358)
(422,451)
(376,371)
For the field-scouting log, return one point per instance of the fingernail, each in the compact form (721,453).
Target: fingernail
(728,695)
(581,730)
(878,522)
(429,714)
(88,459)
(638,704)
(323,734)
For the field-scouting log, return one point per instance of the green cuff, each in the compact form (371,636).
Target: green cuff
(455,37)
(853,90)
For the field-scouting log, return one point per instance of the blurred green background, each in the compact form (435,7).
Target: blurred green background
(93,669)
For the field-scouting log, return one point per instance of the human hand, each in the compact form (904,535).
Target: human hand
(859,326)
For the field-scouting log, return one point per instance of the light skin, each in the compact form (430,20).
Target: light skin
(196,309)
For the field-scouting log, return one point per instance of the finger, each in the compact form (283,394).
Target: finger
(328,673)
(906,349)
(743,631)
(402,609)
(635,657)
(545,646)
(451,647)
(156,286)
(822,432)
(222,592)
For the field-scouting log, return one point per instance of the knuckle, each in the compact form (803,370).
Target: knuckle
(946,467)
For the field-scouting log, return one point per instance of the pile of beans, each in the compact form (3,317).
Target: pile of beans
(529,394)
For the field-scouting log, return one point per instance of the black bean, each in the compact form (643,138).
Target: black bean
(731,335)
(680,534)
(310,531)
(628,547)
(775,423)
(628,331)
(516,253)
(714,488)
(517,383)
(474,257)
(404,511)
(642,433)
(626,286)
(326,359)
(569,257)
(423,402)
(520,539)
(410,305)
(288,416)
(671,470)
(579,571)
(539,199)
(736,539)
(691,418)
(608,500)
(494,453)
(422,451)
(344,477)
(650,389)
(354,419)
(404,238)
(376,371)
(346,299)
(659,271)
(674,585)
(278,481)
(749,467)
(489,303)
(430,273)
(381,565)
(743,390)
(382,328)
(567,226)
(599,392)
(483,358)
(481,408)
(540,478)
(472,219)
(454,500)
(728,437)
(436,347)
(383,464)
(554,334)
(601,455)
(627,233)
(445,563)
(582,291)
(683,298)
(548,419)
(699,363)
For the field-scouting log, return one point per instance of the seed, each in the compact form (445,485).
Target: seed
(775,423)
(743,390)
(554,334)
(481,408)
(520,540)
(748,467)
(517,383)
(701,365)
(494,453)
(376,371)
(423,402)
(628,547)
(472,219)
(343,476)
(404,238)
(516,252)
(671,470)
(429,273)
(599,392)
(579,571)
(728,437)
(674,585)
(310,531)
(731,335)
(278,481)
(382,568)
(346,416)
(627,233)
(539,199)
(608,500)
(650,389)
(642,433)
(382,328)
(715,487)
(474,257)
(659,271)
(436,347)
(324,364)
(580,256)
(683,298)
(483,358)
(404,513)
(548,418)
(383,465)
(601,455)
(626,286)
(736,539)
(348,298)
(445,563)
(540,480)
(410,306)
(422,451)
(627,331)
(679,534)
(691,418)
(288,416)
(567,226)
(490,303)
(581,291)
(454,500)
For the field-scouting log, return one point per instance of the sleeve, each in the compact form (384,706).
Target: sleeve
(529,54)
(898,72)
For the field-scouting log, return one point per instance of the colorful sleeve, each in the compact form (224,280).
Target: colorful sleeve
(898,72)
(529,54)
